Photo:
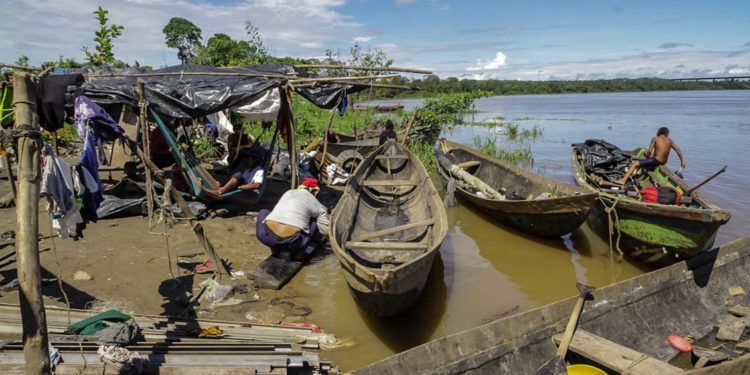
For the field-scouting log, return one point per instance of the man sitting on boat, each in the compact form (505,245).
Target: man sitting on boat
(249,176)
(297,224)
(387,133)
(661,145)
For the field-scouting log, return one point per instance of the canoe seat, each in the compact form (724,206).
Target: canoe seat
(400,228)
(381,157)
(406,246)
(390,182)
(615,356)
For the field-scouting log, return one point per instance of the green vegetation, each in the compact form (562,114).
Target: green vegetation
(67,136)
(424,151)
(519,155)
(534,132)
(444,109)
(104,38)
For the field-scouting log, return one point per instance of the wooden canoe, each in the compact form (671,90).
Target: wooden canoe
(386,230)
(543,217)
(654,233)
(624,327)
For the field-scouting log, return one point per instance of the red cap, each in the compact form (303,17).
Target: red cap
(310,182)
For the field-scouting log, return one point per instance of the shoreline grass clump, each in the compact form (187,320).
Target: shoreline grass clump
(520,156)
(425,152)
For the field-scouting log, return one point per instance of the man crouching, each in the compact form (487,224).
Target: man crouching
(297,224)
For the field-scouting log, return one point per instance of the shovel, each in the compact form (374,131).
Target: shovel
(556,365)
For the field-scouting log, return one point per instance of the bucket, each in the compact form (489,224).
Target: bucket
(584,370)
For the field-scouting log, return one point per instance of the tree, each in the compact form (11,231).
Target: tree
(23,60)
(258,54)
(183,35)
(103,38)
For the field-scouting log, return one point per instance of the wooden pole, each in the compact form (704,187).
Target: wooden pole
(13,66)
(325,142)
(411,121)
(54,142)
(144,141)
(9,172)
(291,143)
(467,177)
(219,268)
(35,341)
(373,68)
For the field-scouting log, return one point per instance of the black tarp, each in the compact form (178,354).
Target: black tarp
(604,159)
(191,91)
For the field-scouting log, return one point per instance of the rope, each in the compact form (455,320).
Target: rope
(65,295)
(610,210)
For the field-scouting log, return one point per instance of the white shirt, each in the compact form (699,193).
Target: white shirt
(298,208)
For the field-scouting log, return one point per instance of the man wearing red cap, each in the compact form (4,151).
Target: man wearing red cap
(297,223)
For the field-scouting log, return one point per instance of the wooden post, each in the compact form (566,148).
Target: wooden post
(34,322)
(291,143)
(9,173)
(325,142)
(144,141)
(54,142)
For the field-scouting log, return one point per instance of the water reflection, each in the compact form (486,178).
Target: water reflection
(416,325)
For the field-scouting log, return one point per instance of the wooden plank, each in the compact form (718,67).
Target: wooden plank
(740,310)
(470,163)
(400,228)
(274,272)
(386,245)
(390,183)
(731,328)
(615,356)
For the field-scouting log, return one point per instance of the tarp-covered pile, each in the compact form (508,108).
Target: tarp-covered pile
(604,159)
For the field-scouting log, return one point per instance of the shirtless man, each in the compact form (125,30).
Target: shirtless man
(661,145)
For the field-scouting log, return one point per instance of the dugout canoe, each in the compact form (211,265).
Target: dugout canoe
(386,230)
(653,233)
(542,217)
(623,327)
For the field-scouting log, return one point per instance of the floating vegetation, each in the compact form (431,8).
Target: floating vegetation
(609,127)
(500,118)
(520,155)
(534,132)
(522,118)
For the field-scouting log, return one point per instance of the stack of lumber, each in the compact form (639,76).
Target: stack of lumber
(169,348)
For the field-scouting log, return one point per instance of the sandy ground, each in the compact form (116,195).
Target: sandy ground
(138,269)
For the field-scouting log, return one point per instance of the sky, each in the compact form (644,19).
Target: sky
(510,40)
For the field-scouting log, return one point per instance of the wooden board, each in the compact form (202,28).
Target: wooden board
(740,310)
(616,356)
(390,183)
(399,228)
(386,245)
(274,272)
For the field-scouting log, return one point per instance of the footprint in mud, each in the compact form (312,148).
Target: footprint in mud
(301,310)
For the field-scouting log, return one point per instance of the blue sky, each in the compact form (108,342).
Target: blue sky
(468,39)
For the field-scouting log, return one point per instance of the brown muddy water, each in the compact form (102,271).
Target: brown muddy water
(486,271)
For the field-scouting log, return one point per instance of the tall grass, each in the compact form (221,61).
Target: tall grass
(519,155)
(424,151)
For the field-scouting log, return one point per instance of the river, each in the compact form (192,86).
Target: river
(486,270)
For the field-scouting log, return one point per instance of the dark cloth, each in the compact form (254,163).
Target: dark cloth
(649,163)
(51,99)
(163,160)
(91,200)
(332,137)
(604,159)
(292,244)
(386,135)
(232,144)
(96,323)
(343,105)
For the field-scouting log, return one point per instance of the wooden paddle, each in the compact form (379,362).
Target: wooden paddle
(688,191)
(556,365)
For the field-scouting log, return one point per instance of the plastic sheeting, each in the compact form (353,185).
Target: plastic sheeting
(604,159)
(191,91)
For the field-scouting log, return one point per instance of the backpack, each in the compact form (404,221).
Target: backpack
(661,195)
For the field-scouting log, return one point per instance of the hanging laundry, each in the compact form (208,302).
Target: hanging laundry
(59,183)
(343,104)
(51,99)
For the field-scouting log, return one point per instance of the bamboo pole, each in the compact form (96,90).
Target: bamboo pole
(411,121)
(238,74)
(467,177)
(13,66)
(35,341)
(325,142)
(11,179)
(382,85)
(329,79)
(379,69)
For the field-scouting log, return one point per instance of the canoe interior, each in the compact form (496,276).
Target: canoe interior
(379,205)
(687,298)
(516,183)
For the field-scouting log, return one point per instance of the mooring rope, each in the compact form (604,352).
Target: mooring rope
(610,210)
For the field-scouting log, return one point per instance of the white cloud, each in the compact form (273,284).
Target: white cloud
(496,63)
(62,27)
(406,1)
(362,39)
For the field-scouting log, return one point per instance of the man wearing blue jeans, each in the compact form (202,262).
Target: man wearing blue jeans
(297,223)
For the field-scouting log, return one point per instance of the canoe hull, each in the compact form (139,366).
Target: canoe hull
(689,297)
(655,234)
(386,268)
(543,217)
